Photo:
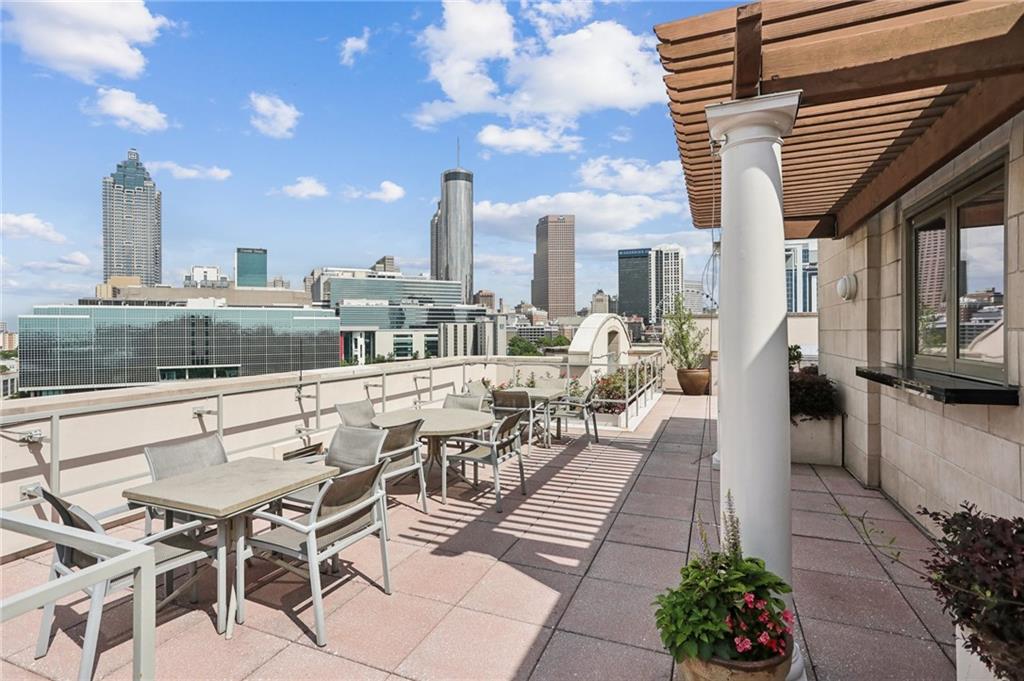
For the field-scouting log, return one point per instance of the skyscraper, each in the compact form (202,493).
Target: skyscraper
(802,275)
(251,267)
(131,223)
(649,281)
(666,279)
(451,231)
(554,266)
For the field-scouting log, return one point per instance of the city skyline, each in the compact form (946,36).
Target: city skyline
(245,154)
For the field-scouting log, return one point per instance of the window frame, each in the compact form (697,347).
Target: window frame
(945,203)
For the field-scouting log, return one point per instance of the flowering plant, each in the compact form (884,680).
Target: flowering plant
(727,606)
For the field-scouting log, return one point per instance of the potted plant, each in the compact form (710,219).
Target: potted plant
(977,571)
(684,343)
(816,433)
(725,620)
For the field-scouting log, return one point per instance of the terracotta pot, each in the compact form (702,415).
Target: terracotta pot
(715,669)
(694,381)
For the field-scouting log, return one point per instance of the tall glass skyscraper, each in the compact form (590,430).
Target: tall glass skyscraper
(554,266)
(451,232)
(649,280)
(251,267)
(132,223)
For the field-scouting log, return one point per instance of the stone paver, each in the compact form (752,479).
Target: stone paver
(558,586)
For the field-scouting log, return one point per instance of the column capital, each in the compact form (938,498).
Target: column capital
(765,116)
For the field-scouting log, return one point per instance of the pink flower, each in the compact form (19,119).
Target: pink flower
(728,621)
(760,603)
(764,638)
(764,618)
(787,616)
(748,598)
(743,644)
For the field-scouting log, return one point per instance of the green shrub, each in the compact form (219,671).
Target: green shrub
(812,397)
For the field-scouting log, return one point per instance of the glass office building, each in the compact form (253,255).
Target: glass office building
(635,282)
(383,317)
(76,347)
(393,289)
(132,223)
(802,275)
(251,267)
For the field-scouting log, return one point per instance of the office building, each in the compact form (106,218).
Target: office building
(251,267)
(385,264)
(485,298)
(451,232)
(492,336)
(694,298)
(455,339)
(554,265)
(206,276)
(279,282)
(649,281)
(117,292)
(132,223)
(802,274)
(603,303)
(86,347)
(334,285)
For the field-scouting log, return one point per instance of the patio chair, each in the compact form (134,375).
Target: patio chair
(350,449)
(402,451)
(346,509)
(173,548)
(356,414)
(577,408)
(503,443)
(471,402)
(189,455)
(511,401)
(478,389)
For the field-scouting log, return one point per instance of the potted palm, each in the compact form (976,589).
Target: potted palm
(684,343)
(725,621)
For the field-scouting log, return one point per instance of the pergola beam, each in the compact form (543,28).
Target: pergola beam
(746,71)
(980,111)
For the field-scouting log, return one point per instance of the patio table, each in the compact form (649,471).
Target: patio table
(438,424)
(225,493)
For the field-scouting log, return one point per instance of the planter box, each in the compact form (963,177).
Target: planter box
(613,420)
(817,441)
(968,666)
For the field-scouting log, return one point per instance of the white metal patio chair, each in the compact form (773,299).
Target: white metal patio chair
(503,443)
(357,414)
(174,548)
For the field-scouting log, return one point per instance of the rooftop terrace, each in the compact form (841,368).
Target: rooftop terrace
(559,586)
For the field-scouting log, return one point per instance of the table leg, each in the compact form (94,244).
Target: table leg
(547,424)
(223,532)
(169,575)
(240,551)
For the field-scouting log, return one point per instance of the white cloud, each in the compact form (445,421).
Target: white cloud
(547,16)
(84,39)
(192,172)
(387,192)
(29,225)
(631,175)
(74,262)
(530,140)
(594,213)
(127,110)
(273,116)
(305,187)
(502,264)
(622,134)
(352,46)
(471,35)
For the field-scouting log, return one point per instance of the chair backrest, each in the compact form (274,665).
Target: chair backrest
(340,493)
(186,456)
(403,435)
(550,383)
(477,388)
(505,432)
(73,516)
(353,448)
(511,399)
(472,402)
(356,414)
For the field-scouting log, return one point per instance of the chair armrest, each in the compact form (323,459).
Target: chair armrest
(275,519)
(352,510)
(312,458)
(470,441)
(400,450)
(117,510)
(178,529)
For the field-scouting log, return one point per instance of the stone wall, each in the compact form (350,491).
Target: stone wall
(919,451)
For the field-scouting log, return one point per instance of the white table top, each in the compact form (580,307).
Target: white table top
(228,489)
(541,393)
(437,422)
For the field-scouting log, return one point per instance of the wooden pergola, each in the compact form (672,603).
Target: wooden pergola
(891,90)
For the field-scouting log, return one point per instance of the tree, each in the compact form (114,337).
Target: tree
(556,342)
(683,341)
(520,346)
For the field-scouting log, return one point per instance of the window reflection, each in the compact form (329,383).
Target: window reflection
(980,278)
(931,289)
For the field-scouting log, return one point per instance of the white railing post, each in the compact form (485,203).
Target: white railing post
(55,454)
(317,401)
(383,389)
(430,394)
(220,415)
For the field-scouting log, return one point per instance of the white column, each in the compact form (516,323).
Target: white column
(753,379)
(753,372)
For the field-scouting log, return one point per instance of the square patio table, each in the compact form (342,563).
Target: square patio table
(224,493)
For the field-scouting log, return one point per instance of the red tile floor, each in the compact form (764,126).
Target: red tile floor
(559,586)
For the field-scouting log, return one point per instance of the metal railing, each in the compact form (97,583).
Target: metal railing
(116,559)
(645,372)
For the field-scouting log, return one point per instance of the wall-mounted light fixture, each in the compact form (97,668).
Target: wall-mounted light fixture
(846,287)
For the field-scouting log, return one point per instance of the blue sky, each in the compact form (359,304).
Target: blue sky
(319,131)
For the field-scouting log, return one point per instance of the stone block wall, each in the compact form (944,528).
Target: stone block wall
(919,451)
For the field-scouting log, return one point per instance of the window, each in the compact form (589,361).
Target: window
(957,281)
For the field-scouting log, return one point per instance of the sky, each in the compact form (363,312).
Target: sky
(319,131)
